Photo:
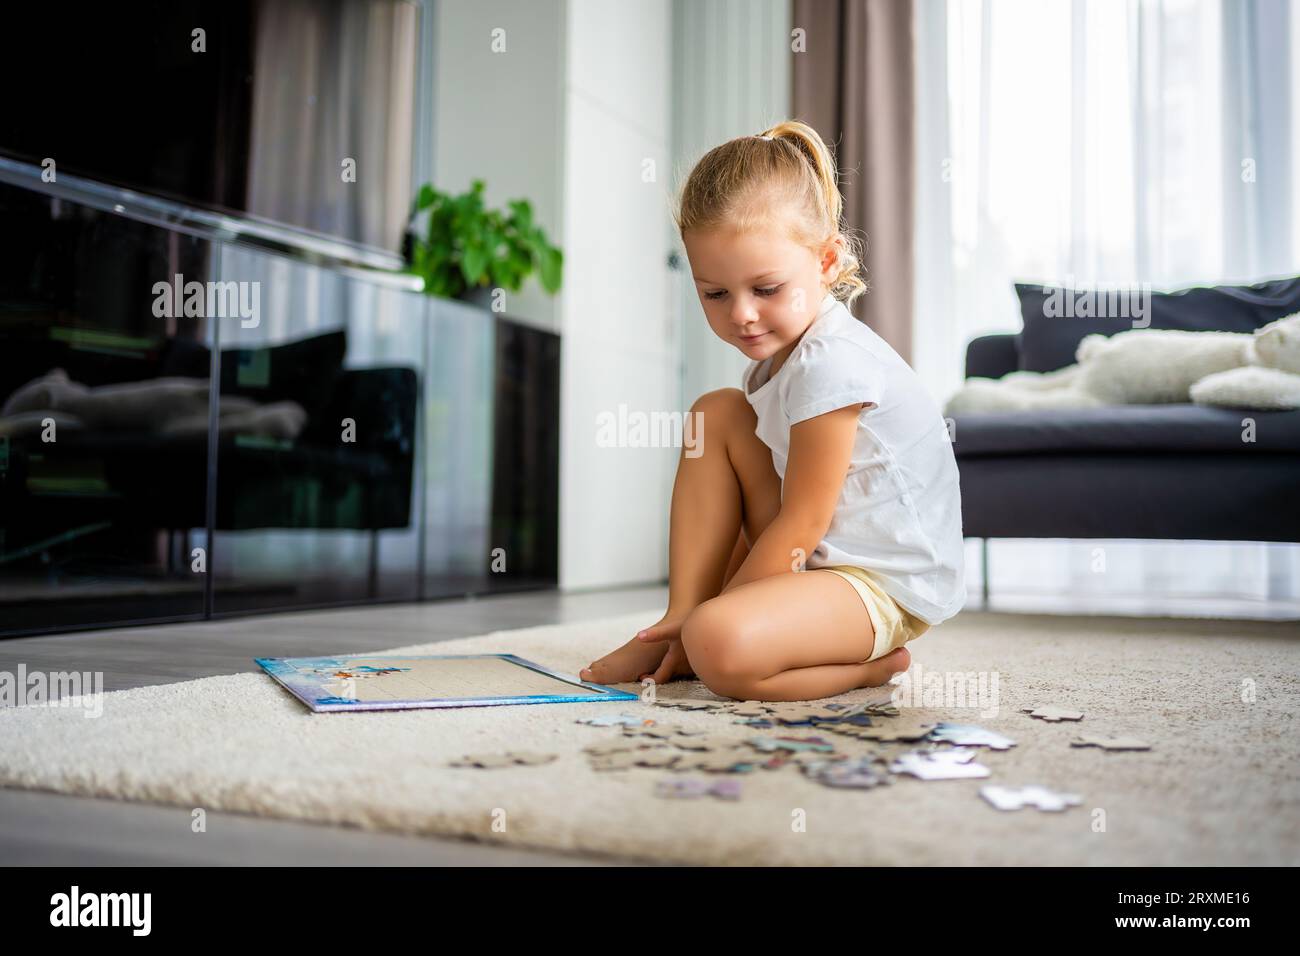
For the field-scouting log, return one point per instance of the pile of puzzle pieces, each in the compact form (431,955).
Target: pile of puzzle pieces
(918,744)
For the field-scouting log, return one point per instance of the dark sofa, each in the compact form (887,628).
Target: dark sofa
(1137,471)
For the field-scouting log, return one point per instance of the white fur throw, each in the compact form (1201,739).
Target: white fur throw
(1156,366)
(1252,387)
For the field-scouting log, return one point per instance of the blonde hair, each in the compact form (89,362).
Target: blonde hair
(748,183)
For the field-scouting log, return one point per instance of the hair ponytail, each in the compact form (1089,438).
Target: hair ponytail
(737,184)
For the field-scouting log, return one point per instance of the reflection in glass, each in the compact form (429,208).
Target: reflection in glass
(323,509)
(298,111)
(103,419)
(333,93)
(458,407)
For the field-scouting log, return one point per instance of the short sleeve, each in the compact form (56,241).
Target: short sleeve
(831,374)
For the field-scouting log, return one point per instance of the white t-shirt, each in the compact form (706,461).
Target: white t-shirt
(899,512)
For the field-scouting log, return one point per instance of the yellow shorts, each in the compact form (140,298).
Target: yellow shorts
(892,625)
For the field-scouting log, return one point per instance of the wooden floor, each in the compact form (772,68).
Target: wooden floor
(42,828)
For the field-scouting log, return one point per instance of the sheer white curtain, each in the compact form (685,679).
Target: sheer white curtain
(1091,141)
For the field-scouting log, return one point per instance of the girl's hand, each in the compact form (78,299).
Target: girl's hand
(668,628)
(675,662)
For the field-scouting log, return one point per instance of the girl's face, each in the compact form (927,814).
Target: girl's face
(760,292)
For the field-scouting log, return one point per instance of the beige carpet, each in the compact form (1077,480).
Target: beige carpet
(1221,786)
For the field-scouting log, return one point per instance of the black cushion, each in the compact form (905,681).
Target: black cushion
(1125,429)
(1049,341)
(992,356)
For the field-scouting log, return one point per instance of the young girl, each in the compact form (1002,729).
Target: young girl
(820,529)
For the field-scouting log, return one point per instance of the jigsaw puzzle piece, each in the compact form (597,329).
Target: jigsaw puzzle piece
(861,773)
(1109,743)
(1052,713)
(768,744)
(621,720)
(508,759)
(898,729)
(1007,798)
(969,735)
(939,765)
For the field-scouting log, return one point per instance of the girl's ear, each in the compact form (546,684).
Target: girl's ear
(831,255)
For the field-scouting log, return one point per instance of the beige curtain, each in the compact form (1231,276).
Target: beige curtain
(854,85)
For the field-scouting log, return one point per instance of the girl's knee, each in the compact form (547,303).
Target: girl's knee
(716,648)
(721,399)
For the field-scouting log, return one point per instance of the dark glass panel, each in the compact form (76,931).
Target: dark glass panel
(103,419)
(526,457)
(296,111)
(317,488)
(458,415)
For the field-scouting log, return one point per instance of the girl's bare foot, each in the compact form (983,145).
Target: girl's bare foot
(627,664)
(882,669)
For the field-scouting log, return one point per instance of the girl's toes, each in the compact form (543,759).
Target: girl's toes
(882,669)
(899,660)
(597,672)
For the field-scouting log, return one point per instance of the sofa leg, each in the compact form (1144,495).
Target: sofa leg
(984,570)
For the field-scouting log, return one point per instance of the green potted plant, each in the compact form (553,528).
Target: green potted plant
(468,250)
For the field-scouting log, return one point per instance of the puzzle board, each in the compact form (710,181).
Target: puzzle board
(368,682)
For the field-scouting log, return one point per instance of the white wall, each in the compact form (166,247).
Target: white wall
(617,316)
(731,77)
(499,116)
(588,95)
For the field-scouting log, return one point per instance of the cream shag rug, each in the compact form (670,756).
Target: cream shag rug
(1221,785)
